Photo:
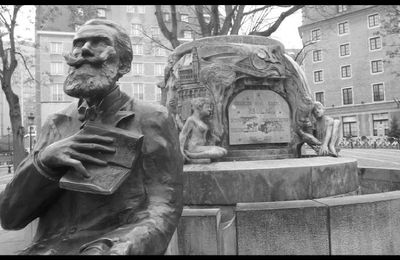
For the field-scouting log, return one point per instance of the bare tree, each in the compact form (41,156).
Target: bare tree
(8,18)
(215,20)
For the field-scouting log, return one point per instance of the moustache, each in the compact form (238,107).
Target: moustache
(108,53)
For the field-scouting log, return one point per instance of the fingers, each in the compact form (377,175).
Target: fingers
(92,146)
(94,139)
(77,165)
(87,158)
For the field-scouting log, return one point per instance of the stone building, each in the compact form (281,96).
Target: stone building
(22,85)
(347,66)
(54,33)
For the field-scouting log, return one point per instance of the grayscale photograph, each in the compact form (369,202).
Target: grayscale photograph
(199,130)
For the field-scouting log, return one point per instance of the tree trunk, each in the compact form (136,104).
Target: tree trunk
(16,125)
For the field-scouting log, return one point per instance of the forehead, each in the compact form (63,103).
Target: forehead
(89,31)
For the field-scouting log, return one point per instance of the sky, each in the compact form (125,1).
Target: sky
(287,32)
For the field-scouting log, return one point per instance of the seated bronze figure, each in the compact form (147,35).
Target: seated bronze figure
(326,131)
(196,140)
(141,215)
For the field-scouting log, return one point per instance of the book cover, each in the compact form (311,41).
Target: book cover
(106,179)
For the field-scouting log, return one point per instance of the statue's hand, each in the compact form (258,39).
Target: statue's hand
(70,152)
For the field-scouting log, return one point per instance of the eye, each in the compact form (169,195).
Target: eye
(79,43)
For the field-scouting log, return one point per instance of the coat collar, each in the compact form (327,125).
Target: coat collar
(111,110)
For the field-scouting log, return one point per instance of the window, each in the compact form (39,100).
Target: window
(376,66)
(317,55)
(343,28)
(380,124)
(341,8)
(318,76)
(347,96)
(187,34)
(185,18)
(56,68)
(379,93)
(158,51)
(349,126)
(345,71)
(56,47)
(167,17)
(57,92)
(138,90)
(159,69)
(101,12)
(137,49)
(130,9)
(316,35)
(141,9)
(319,96)
(373,20)
(155,31)
(137,69)
(135,9)
(345,49)
(136,29)
(158,93)
(375,43)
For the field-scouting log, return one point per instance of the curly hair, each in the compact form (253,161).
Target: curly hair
(317,104)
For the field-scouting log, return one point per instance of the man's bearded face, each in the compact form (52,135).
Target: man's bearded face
(94,63)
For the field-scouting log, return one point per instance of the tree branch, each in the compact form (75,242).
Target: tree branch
(173,39)
(200,17)
(174,20)
(278,22)
(238,20)
(256,10)
(215,19)
(26,66)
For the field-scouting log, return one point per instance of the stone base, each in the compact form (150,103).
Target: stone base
(228,183)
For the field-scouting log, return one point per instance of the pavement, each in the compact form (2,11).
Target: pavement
(386,158)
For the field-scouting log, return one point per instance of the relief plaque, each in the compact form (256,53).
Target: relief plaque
(258,116)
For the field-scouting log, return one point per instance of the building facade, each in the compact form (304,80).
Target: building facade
(347,67)
(54,33)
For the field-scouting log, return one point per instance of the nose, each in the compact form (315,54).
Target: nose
(87,50)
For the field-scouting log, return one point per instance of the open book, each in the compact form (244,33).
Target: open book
(106,179)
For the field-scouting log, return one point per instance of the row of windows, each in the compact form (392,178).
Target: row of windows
(373,21)
(137,49)
(375,43)
(137,90)
(138,69)
(137,30)
(378,94)
(141,9)
(101,12)
(57,68)
(380,125)
(345,71)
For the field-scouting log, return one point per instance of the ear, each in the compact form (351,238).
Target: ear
(123,69)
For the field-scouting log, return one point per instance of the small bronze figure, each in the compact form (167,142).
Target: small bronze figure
(326,131)
(196,141)
(141,215)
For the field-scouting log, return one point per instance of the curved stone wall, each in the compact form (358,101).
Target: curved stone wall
(228,183)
